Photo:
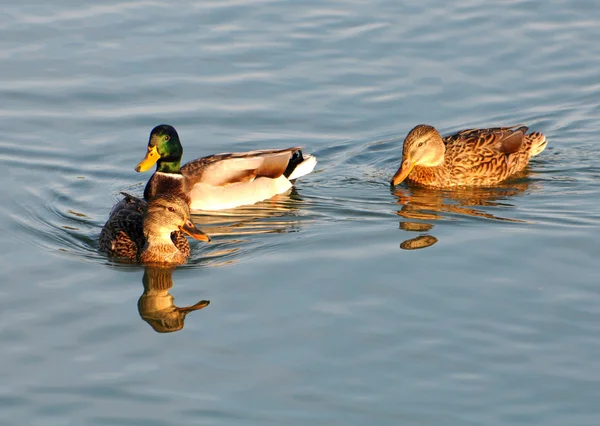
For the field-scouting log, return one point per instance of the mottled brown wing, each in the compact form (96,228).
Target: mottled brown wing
(503,139)
(181,243)
(124,246)
(484,155)
(123,233)
(222,169)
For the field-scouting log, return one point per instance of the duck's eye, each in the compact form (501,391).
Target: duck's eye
(167,137)
(171,209)
(420,143)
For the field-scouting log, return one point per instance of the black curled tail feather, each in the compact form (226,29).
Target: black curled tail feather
(296,159)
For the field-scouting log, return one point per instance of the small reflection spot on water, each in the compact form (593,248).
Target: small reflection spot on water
(419,242)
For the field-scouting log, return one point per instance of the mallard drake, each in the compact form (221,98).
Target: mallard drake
(473,157)
(220,181)
(150,232)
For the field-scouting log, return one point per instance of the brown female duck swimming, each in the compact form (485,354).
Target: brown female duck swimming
(472,157)
(150,232)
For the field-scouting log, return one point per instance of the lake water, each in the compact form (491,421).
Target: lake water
(344,302)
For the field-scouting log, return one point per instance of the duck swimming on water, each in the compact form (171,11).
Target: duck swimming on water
(150,233)
(472,157)
(220,181)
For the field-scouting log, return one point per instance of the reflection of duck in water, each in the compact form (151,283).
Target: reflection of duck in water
(235,229)
(150,232)
(278,214)
(430,203)
(425,205)
(473,157)
(156,305)
(220,181)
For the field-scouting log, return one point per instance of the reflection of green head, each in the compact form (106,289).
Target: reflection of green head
(164,149)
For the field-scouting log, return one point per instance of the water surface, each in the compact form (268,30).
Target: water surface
(344,302)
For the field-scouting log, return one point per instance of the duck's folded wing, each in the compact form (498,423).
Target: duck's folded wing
(123,234)
(223,169)
(506,140)
(482,154)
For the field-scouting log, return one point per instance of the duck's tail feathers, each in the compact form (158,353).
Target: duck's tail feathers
(538,143)
(300,165)
(130,198)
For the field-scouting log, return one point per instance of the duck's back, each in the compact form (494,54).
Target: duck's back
(123,233)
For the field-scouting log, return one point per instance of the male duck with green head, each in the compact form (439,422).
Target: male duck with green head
(220,181)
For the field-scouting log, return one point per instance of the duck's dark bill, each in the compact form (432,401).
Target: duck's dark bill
(190,229)
(149,160)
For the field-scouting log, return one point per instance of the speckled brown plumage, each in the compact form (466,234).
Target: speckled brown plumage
(123,236)
(472,157)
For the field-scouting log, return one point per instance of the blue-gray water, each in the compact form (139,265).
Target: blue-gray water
(320,312)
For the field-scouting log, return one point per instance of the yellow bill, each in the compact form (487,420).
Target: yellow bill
(149,160)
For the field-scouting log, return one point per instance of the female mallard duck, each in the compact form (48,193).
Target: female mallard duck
(473,157)
(150,232)
(220,181)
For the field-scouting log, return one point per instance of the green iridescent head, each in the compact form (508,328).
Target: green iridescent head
(164,149)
